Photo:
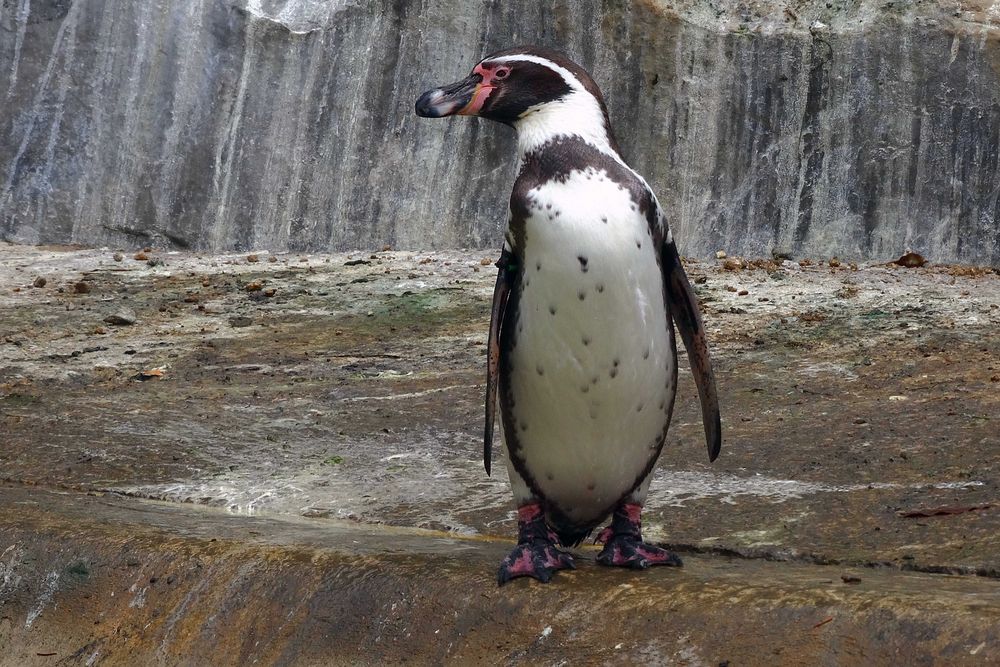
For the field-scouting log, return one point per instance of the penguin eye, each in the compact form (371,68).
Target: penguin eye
(501,73)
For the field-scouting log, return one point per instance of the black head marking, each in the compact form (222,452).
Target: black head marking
(526,85)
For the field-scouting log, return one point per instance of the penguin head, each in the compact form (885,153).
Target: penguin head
(526,88)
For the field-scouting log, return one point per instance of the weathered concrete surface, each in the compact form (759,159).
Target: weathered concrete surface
(353,391)
(857,129)
(106,581)
(849,397)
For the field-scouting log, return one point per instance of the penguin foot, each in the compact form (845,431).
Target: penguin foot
(536,554)
(627,551)
(536,559)
(623,545)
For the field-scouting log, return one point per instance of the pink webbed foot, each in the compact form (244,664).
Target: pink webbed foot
(536,554)
(623,545)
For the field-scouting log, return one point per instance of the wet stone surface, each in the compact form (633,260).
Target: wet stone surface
(351,385)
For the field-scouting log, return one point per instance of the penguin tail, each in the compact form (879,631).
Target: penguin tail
(571,536)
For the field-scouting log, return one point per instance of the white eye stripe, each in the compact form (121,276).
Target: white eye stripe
(567,76)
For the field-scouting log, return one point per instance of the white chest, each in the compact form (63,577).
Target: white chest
(593,365)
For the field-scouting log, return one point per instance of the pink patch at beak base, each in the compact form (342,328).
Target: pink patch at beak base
(478,98)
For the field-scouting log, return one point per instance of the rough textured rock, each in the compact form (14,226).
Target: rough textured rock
(856,129)
(116,582)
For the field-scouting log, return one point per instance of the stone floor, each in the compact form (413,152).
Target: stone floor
(861,404)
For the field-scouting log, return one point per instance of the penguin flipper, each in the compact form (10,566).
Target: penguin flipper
(500,293)
(685,313)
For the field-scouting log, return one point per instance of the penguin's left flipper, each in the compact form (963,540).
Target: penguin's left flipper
(500,293)
(685,313)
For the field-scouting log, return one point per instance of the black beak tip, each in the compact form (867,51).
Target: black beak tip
(424,107)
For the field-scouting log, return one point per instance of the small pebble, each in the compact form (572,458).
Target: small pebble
(81,287)
(253,259)
(39,282)
(122,317)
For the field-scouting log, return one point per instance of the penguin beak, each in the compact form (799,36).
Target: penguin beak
(464,98)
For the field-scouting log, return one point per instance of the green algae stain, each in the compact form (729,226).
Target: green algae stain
(80,569)
(17,400)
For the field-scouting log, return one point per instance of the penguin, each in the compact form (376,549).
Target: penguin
(582,359)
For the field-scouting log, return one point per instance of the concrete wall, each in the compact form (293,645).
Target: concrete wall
(857,129)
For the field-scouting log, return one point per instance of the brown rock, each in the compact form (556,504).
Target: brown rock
(140,256)
(39,282)
(253,259)
(911,260)
(81,287)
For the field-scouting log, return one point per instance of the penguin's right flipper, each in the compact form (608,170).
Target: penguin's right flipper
(684,311)
(500,293)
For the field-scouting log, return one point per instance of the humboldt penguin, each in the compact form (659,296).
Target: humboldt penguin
(582,358)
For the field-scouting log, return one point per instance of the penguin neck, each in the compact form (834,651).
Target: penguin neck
(579,114)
